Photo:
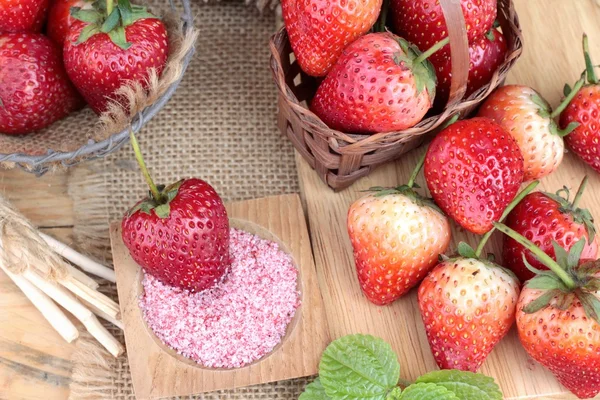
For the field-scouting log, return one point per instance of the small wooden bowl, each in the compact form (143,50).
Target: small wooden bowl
(341,158)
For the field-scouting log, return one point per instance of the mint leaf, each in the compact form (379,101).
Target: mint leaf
(314,391)
(395,394)
(465,385)
(429,391)
(359,367)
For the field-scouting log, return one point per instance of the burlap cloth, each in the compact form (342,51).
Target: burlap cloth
(220,126)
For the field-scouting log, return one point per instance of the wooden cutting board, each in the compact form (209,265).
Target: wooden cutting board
(553,56)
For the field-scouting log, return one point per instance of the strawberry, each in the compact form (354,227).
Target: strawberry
(530,120)
(422,22)
(473,170)
(180,233)
(486,53)
(397,237)
(380,83)
(468,304)
(60,19)
(18,16)
(34,88)
(583,112)
(546,218)
(319,30)
(99,63)
(558,316)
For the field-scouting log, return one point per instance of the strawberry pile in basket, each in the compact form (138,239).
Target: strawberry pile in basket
(57,55)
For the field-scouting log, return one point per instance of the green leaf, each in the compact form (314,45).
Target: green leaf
(163,210)
(428,391)
(466,251)
(465,385)
(564,301)
(590,303)
(395,394)
(126,12)
(490,35)
(560,254)
(87,33)
(529,266)
(359,367)
(575,254)
(541,302)
(314,391)
(546,282)
(89,16)
(112,21)
(117,36)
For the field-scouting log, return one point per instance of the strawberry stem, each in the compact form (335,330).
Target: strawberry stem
(380,25)
(518,198)
(543,257)
(415,173)
(579,193)
(589,66)
(568,99)
(140,159)
(425,55)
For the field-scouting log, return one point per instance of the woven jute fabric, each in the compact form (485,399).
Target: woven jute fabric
(219,126)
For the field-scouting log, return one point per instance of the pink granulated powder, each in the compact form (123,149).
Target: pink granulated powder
(235,323)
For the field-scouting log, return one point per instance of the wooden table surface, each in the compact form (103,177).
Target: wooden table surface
(34,360)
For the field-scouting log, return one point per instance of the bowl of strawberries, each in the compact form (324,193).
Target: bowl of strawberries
(77,75)
(361,83)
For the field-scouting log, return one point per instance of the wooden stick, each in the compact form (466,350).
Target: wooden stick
(102,302)
(84,262)
(81,277)
(46,306)
(116,322)
(70,303)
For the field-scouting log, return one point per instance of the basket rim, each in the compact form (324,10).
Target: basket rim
(364,143)
(40,164)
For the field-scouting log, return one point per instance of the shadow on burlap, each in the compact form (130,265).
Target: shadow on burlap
(219,126)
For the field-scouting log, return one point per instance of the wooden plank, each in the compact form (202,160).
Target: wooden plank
(157,371)
(545,22)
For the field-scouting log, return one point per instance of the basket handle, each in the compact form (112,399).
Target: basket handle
(459,46)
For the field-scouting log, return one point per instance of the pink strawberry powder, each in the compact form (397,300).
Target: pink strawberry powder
(235,323)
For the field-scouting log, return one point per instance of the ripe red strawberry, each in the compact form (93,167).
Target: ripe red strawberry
(179,234)
(487,54)
(584,111)
(22,15)
(473,170)
(34,88)
(467,305)
(380,83)
(558,317)
(397,237)
(99,63)
(545,219)
(319,30)
(523,113)
(422,22)
(60,19)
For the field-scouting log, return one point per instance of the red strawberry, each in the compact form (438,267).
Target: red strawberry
(487,54)
(584,112)
(467,305)
(422,22)
(558,317)
(99,63)
(473,170)
(530,120)
(380,83)
(320,29)
(34,88)
(179,234)
(60,19)
(22,15)
(397,237)
(545,219)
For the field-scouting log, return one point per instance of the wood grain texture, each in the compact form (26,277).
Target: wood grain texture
(553,56)
(159,372)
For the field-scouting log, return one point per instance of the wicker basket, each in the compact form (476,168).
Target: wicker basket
(340,158)
(48,149)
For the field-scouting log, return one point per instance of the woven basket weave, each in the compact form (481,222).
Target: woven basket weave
(79,137)
(340,158)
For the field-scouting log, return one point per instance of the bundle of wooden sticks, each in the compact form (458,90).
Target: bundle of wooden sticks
(45,271)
